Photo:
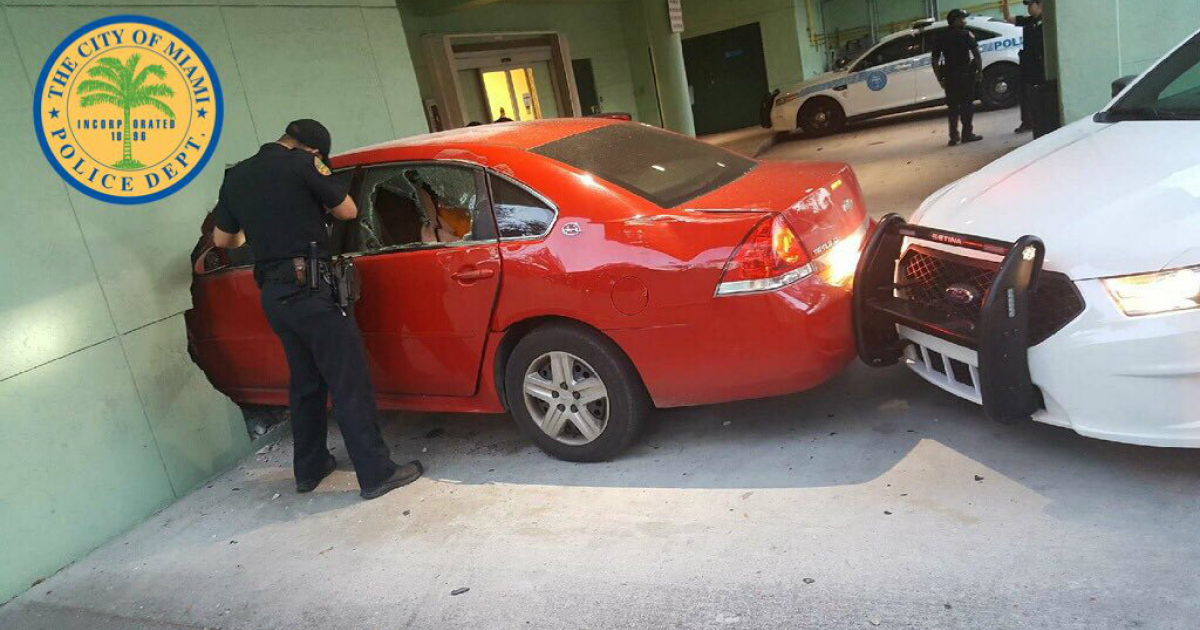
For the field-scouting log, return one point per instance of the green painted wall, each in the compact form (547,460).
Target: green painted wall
(849,19)
(1099,41)
(106,418)
(641,71)
(593,31)
(777,19)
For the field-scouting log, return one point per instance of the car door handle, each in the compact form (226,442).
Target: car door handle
(473,275)
(841,88)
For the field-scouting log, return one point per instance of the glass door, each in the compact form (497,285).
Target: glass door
(511,94)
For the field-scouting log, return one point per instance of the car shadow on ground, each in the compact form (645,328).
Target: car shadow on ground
(854,430)
(876,436)
(851,128)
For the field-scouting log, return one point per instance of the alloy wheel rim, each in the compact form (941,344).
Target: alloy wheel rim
(566,398)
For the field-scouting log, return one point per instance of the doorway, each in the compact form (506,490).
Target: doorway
(511,94)
(727,73)
(474,76)
(585,84)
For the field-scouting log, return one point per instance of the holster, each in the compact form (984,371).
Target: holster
(347,283)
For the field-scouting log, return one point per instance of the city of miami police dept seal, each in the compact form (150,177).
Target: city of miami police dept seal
(128,109)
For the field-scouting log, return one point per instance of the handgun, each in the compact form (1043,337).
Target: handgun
(314,267)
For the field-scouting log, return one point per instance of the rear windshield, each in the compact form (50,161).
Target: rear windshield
(664,168)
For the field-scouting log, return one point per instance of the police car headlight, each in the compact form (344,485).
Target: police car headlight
(1156,293)
(786,98)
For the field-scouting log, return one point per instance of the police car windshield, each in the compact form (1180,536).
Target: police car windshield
(663,168)
(1169,92)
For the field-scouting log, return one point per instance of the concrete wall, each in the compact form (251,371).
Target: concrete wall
(637,46)
(1099,41)
(593,30)
(106,419)
(778,20)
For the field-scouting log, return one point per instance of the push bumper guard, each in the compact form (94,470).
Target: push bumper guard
(999,334)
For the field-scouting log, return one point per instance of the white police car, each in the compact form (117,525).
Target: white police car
(1062,281)
(896,75)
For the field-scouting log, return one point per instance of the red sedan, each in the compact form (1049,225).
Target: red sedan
(576,273)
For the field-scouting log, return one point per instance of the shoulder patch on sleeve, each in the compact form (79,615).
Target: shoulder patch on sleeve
(321,168)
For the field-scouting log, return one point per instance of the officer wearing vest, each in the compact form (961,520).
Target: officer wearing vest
(958,65)
(1033,56)
(276,201)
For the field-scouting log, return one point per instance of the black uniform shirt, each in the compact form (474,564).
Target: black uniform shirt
(954,52)
(278,196)
(1035,43)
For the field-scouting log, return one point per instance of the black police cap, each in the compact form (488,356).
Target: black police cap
(312,134)
(956,14)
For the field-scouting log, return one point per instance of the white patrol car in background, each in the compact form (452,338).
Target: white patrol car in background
(896,75)
(1061,282)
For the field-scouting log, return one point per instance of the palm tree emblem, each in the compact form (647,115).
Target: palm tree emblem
(114,83)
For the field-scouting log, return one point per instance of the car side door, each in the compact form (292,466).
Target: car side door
(884,77)
(425,243)
(928,88)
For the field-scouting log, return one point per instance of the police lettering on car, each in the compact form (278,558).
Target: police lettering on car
(276,202)
(897,75)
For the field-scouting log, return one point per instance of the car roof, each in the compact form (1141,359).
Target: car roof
(972,20)
(522,136)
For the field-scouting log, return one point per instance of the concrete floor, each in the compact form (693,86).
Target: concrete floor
(875,501)
(900,160)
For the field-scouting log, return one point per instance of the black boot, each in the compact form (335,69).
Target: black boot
(309,485)
(970,137)
(403,476)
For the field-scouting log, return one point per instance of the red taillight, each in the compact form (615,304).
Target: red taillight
(771,257)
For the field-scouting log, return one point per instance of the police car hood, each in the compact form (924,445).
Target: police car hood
(1107,199)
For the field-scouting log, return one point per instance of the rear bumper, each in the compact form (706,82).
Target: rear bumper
(746,346)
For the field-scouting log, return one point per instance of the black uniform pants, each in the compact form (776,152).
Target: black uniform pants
(326,355)
(1033,74)
(960,98)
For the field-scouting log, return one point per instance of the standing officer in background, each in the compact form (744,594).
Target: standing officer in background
(276,201)
(1033,56)
(959,68)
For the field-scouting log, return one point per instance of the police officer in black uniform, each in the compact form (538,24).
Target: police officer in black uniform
(959,68)
(1033,56)
(277,201)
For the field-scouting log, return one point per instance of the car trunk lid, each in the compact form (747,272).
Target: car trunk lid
(820,200)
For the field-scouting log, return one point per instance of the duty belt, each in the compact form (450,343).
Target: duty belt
(286,271)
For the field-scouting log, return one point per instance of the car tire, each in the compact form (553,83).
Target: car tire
(1001,86)
(820,117)
(607,428)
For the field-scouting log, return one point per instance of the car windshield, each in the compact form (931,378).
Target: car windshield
(664,168)
(1171,91)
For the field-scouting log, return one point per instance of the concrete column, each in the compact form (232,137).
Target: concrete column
(667,48)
